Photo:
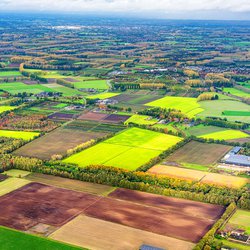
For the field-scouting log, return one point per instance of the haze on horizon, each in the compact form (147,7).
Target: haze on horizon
(176,9)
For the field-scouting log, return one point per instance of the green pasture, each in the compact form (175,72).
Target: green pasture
(11,240)
(129,149)
(9,73)
(187,105)
(228,134)
(202,129)
(102,96)
(64,90)
(92,84)
(236,113)
(18,134)
(141,120)
(241,219)
(236,92)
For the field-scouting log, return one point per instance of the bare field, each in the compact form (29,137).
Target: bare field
(200,176)
(199,153)
(37,203)
(75,185)
(117,237)
(56,142)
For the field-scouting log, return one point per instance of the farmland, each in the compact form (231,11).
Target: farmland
(56,142)
(141,120)
(19,134)
(241,220)
(95,84)
(10,239)
(6,108)
(236,92)
(188,106)
(199,153)
(199,176)
(9,73)
(225,135)
(126,145)
(11,184)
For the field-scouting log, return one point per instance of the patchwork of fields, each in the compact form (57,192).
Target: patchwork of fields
(129,149)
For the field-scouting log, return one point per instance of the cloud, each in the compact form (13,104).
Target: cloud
(130,6)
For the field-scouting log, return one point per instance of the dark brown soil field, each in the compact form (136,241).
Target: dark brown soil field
(61,116)
(199,153)
(92,116)
(194,208)
(56,142)
(3,177)
(156,220)
(37,203)
(116,118)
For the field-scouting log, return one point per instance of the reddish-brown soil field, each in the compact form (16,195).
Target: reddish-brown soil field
(116,118)
(194,208)
(37,203)
(152,219)
(92,116)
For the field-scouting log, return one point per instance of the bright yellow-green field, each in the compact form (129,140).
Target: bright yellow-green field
(229,134)
(11,184)
(141,120)
(187,105)
(102,96)
(19,134)
(6,108)
(129,150)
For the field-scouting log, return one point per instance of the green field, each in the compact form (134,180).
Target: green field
(6,108)
(234,245)
(11,184)
(241,219)
(129,149)
(236,113)
(217,107)
(64,90)
(187,105)
(202,129)
(19,134)
(9,73)
(141,120)
(12,240)
(169,127)
(19,87)
(236,92)
(17,173)
(102,96)
(228,134)
(92,84)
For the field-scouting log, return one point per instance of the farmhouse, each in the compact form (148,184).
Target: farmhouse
(234,158)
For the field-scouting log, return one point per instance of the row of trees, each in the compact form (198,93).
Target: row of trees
(133,180)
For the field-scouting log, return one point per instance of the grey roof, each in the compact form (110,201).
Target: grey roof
(236,150)
(238,160)
(147,247)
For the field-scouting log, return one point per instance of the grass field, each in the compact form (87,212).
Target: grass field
(201,130)
(11,184)
(102,96)
(241,219)
(200,176)
(199,153)
(217,107)
(129,149)
(228,134)
(187,105)
(92,84)
(19,87)
(236,113)
(119,237)
(236,92)
(12,239)
(141,120)
(9,73)
(6,108)
(19,134)
(17,173)
(64,90)
(169,127)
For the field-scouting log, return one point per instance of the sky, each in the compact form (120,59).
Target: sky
(180,9)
